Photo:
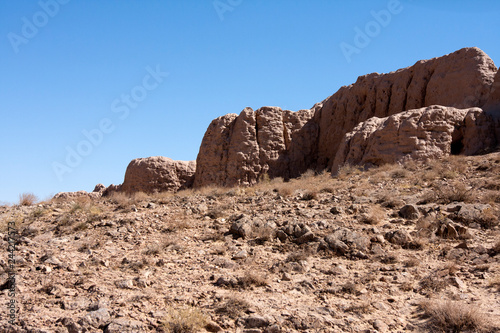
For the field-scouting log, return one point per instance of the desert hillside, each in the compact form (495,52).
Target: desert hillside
(400,248)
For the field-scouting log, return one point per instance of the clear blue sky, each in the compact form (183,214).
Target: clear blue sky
(70,68)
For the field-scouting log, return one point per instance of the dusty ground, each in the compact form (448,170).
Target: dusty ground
(317,254)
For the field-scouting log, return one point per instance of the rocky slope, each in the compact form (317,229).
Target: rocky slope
(400,248)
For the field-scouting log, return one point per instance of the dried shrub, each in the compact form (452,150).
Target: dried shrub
(140,196)
(297,256)
(349,288)
(412,262)
(233,307)
(39,212)
(177,223)
(494,282)
(374,216)
(251,278)
(406,286)
(433,283)
(120,199)
(452,316)
(184,320)
(456,193)
(27,199)
(348,170)
(137,265)
(284,189)
(152,250)
(308,174)
(310,195)
(489,218)
(399,173)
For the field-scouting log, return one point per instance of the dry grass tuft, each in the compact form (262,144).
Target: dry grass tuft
(433,283)
(349,288)
(297,256)
(184,320)
(494,282)
(374,216)
(453,316)
(310,195)
(27,199)
(233,307)
(251,278)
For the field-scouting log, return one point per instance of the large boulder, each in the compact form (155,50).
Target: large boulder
(462,79)
(239,149)
(158,174)
(421,134)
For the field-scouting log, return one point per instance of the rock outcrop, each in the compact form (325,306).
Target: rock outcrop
(238,149)
(492,106)
(157,174)
(462,79)
(421,134)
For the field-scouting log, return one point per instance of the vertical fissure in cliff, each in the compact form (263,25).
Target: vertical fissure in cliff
(406,91)
(426,84)
(389,97)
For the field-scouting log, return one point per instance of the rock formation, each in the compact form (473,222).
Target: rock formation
(240,149)
(157,174)
(421,134)
(461,79)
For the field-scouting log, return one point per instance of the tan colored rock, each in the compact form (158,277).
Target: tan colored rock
(421,134)
(78,194)
(492,106)
(461,79)
(158,174)
(239,149)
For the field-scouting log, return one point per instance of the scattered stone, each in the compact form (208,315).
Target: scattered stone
(97,318)
(213,327)
(409,212)
(243,254)
(122,325)
(125,284)
(336,210)
(399,237)
(256,321)
(457,282)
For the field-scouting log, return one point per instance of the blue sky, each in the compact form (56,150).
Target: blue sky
(145,78)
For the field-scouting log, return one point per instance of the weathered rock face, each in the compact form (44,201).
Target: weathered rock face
(421,134)
(492,106)
(238,149)
(158,174)
(461,79)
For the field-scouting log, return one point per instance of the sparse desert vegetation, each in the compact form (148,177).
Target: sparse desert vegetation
(394,248)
